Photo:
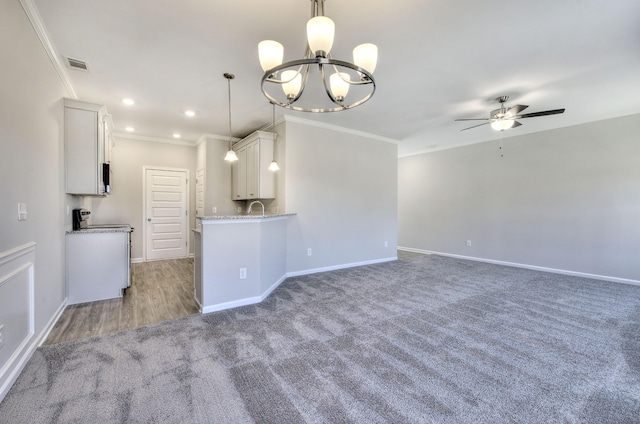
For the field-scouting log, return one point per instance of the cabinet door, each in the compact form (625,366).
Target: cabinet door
(239,175)
(81,151)
(108,143)
(265,178)
(253,173)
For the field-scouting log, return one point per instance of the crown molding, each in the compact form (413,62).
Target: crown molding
(309,122)
(444,147)
(36,21)
(188,143)
(208,136)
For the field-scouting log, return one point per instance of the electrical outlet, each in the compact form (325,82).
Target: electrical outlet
(243,273)
(386,243)
(274,210)
(214,209)
(239,209)
(1,337)
(309,252)
(468,243)
(68,210)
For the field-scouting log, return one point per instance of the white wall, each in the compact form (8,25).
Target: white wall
(566,199)
(218,179)
(343,188)
(124,204)
(31,171)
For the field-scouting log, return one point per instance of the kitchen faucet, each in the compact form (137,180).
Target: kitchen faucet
(253,203)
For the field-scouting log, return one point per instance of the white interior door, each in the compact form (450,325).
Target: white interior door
(166,213)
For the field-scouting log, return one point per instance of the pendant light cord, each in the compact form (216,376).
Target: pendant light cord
(229,87)
(229,77)
(273,130)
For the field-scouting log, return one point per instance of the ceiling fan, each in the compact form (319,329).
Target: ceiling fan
(502,119)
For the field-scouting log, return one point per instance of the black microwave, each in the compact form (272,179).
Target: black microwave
(106,177)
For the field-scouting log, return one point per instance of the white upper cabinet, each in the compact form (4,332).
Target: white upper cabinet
(88,142)
(239,175)
(251,178)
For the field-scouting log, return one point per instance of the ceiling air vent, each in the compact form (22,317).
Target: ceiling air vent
(80,65)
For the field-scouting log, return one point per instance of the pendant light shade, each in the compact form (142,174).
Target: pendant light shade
(270,53)
(320,32)
(273,166)
(231,154)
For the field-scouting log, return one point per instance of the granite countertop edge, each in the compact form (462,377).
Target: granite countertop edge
(99,230)
(223,217)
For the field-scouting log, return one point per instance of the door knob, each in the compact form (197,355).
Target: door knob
(149,219)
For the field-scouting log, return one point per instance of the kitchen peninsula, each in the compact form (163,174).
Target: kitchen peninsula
(238,259)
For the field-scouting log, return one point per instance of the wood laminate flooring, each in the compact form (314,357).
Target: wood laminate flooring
(160,290)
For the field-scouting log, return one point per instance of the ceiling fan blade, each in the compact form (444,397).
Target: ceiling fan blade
(516,109)
(516,124)
(472,119)
(479,125)
(543,113)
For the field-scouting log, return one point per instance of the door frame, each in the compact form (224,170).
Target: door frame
(145,168)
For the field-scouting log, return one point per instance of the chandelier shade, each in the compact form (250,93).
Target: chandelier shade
(270,54)
(345,85)
(292,82)
(339,83)
(366,56)
(320,33)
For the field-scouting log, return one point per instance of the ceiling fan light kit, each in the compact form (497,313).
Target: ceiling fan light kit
(503,119)
(284,83)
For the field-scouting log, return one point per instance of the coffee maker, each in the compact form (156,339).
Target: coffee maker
(80,218)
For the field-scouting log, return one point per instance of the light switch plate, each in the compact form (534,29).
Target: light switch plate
(22,212)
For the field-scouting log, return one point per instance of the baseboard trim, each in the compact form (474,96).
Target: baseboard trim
(140,260)
(52,322)
(342,266)
(242,302)
(272,288)
(527,266)
(228,305)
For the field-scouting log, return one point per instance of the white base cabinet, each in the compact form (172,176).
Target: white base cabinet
(98,265)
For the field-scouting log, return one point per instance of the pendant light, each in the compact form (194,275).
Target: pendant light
(231,154)
(273,166)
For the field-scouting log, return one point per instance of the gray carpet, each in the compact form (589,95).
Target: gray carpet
(423,339)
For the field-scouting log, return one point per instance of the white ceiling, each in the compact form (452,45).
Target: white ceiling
(438,60)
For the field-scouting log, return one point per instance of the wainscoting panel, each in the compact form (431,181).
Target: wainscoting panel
(16,312)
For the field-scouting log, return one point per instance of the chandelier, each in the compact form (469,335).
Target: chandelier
(337,76)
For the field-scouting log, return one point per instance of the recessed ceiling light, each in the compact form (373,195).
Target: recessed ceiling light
(128,101)
(190,113)
(130,129)
(176,135)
